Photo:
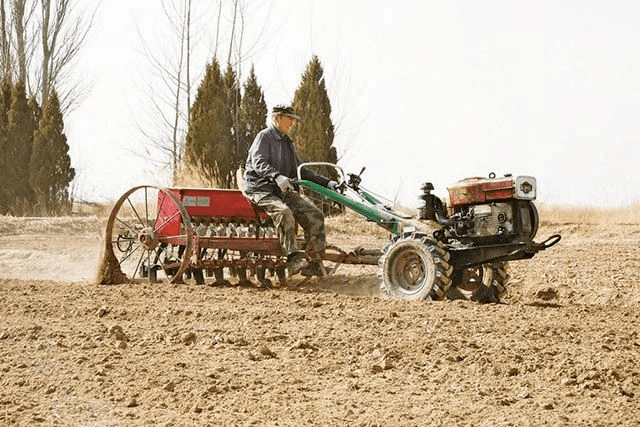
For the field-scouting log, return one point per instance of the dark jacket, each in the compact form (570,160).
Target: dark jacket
(271,154)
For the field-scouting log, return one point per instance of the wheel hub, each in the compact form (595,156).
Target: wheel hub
(410,272)
(471,279)
(148,238)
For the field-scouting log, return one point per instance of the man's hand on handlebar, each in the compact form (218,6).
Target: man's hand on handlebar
(284,183)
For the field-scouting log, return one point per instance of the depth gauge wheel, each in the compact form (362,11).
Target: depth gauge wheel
(486,283)
(149,236)
(415,267)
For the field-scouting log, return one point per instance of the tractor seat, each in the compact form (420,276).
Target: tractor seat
(260,213)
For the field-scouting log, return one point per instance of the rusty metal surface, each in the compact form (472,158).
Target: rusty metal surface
(480,190)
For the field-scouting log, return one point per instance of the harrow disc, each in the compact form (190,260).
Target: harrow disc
(149,236)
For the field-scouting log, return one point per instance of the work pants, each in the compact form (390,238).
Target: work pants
(284,211)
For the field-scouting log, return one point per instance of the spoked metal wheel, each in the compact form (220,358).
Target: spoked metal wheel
(149,236)
(415,267)
(485,283)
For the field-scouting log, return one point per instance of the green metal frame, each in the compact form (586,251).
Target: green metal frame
(370,208)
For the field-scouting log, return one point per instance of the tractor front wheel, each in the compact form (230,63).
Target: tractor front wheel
(415,267)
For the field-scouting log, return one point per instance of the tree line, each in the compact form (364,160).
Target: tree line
(35,167)
(201,132)
(39,43)
(39,40)
(225,118)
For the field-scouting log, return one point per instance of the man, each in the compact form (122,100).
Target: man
(271,165)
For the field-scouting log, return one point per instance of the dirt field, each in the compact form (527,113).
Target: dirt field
(562,349)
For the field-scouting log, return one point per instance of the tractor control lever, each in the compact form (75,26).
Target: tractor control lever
(342,187)
(355,180)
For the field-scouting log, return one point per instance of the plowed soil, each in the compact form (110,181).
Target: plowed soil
(561,349)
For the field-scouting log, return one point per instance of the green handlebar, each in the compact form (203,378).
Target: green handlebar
(371,211)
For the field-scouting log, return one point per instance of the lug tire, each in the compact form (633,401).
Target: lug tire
(485,284)
(415,267)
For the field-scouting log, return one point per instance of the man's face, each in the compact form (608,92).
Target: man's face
(286,123)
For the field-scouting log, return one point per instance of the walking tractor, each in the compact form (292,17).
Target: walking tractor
(455,247)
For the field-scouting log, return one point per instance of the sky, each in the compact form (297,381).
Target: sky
(421,91)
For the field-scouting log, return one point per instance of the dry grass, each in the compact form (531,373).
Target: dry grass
(100,210)
(352,224)
(52,225)
(194,176)
(589,215)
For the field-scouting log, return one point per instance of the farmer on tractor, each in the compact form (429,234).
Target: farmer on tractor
(271,166)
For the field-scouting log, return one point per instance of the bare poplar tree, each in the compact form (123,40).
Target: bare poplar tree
(63,29)
(180,65)
(215,49)
(39,43)
(5,51)
(239,54)
(169,102)
(233,30)
(22,16)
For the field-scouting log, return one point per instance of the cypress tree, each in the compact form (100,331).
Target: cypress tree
(234,99)
(209,142)
(36,111)
(5,105)
(6,89)
(253,115)
(193,148)
(315,132)
(19,145)
(51,171)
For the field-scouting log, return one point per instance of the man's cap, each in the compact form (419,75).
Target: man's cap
(286,110)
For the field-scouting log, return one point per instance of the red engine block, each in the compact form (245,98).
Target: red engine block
(480,190)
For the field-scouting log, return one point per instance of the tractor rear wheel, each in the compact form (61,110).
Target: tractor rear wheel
(486,283)
(415,267)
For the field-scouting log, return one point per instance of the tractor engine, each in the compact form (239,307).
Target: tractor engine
(485,210)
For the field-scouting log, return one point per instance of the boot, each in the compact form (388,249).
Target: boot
(296,262)
(314,269)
